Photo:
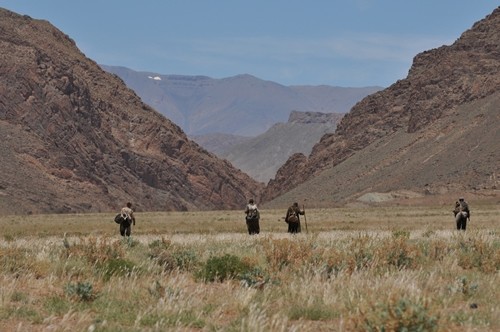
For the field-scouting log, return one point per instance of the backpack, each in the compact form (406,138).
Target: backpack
(123,219)
(253,214)
(292,217)
(119,218)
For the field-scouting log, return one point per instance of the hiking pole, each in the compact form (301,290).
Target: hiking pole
(305,218)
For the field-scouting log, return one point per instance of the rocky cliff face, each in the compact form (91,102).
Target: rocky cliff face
(75,138)
(438,82)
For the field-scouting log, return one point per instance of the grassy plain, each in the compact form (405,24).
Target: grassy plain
(355,269)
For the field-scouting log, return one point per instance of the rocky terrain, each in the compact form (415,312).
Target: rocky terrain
(435,131)
(76,139)
(242,105)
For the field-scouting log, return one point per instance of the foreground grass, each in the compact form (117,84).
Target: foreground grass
(355,269)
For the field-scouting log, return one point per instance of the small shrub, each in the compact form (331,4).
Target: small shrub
(222,268)
(82,291)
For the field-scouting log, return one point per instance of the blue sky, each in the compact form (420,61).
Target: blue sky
(349,43)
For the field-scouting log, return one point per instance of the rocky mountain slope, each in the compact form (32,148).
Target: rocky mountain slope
(76,139)
(242,105)
(435,131)
(261,156)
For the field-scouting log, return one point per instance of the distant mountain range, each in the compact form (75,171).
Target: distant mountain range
(242,105)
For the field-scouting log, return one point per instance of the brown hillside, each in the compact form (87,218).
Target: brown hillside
(440,83)
(75,139)
(434,166)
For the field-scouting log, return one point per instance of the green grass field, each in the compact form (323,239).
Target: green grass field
(355,269)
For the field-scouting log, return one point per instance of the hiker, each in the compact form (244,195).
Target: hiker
(462,213)
(128,217)
(252,217)
(292,218)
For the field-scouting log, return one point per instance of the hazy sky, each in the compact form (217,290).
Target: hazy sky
(349,43)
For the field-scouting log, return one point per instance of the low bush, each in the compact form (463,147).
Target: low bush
(81,291)
(222,268)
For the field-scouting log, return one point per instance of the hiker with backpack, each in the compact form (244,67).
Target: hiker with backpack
(127,220)
(252,217)
(292,218)
(462,214)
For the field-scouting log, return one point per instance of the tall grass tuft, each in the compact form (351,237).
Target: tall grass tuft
(281,253)
(96,250)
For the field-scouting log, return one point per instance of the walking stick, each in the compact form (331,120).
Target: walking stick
(305,218)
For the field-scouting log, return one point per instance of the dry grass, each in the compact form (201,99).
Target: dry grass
(272,221)
(376,269)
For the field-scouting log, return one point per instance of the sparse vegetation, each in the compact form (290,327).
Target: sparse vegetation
(187,271)
(82,291)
